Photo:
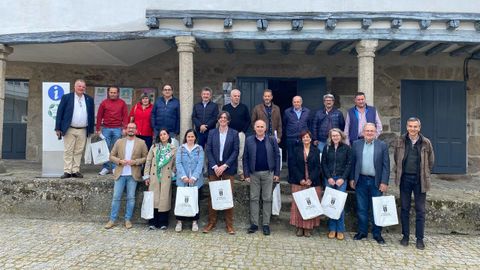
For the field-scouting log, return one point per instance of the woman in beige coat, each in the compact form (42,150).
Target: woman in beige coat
(158,178)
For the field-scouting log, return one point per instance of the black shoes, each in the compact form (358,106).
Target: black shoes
(359,236)
(77,175)
(65,175)
(379,239)
(420,245)
(266,230)
(404,241)
(253,228)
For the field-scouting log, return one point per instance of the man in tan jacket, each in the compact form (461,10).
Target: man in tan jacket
(128,154)
(270,114)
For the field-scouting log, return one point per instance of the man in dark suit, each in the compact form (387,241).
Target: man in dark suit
(204,115)
(74,122)
(370,174)
(222,153)
(261,169)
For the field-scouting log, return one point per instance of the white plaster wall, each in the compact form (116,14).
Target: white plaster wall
(25,16)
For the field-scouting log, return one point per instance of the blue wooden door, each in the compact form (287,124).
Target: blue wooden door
(15,119)
(252,90)
(312,91)
(441,106)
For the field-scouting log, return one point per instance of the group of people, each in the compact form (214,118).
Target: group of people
(323,150)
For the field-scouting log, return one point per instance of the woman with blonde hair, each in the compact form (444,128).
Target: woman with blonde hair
(336,165)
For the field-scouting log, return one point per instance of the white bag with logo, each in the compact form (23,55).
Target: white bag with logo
(308,203)
(147,205)
(333,202)
(87,156)
(276,200)
(100,152)
(221,194)
(186,202)
(384,211)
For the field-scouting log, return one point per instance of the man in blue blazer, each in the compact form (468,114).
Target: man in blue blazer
(222,152)
(74,122)
(370,174)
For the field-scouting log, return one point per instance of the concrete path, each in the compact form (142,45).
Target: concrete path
(48,244)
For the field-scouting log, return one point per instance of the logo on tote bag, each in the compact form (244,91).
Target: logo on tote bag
(385,209)
(309,202)
(220,192)
(187,198)
(332,201)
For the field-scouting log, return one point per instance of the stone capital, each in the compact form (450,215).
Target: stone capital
(366,48)
(5,51)
(185,44)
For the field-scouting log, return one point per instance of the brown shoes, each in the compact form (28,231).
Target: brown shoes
(208,228)
(307,232)
(128,224)
(331,235)
(110,224)
(299,232)
(230,230)
(340,236)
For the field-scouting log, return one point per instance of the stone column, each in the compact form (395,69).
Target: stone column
(185,48)
(366,69)
(4,52)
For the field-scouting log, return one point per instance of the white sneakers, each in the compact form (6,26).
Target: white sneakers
(178,228)
(194,226)
(104,171)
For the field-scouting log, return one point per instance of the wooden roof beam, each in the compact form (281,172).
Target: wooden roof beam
(204,45)
(414,47)
(312,47)
(229,46)
(437,49)
(462,50)
(285,47)
(389,47)
(260,47)
(339,46)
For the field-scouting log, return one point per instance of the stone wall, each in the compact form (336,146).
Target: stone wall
(214,68)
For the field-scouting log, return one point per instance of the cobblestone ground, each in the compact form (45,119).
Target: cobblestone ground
(47,244)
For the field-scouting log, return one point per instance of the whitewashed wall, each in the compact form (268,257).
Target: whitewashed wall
(27,16)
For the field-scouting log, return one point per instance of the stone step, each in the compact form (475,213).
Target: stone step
(89,199)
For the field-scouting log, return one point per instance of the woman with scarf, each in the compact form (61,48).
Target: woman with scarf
(158,178)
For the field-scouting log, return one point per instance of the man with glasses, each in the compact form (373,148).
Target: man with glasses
(166,113)
(74,122)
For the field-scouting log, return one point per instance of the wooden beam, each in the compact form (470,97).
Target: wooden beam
(188,22)
(366,23)
(229,46)
(260,47)
(262,24)
(389,47)
(285,47)
(312,47)
(424,24)
(462,50)
(453,24)
(152,23)
(396,23)
(227,23)
(204,45)
(476,54)
(319,16)
(437,49)
(339,46)
(412,48)
(297,25)
(330,24)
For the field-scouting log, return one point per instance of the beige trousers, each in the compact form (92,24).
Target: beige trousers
(74,144)
(241,138)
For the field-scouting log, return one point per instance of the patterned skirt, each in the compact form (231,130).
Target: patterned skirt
(295,216)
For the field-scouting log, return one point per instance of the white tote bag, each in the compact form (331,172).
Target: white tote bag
(87,156)
(281,156)
(147,205)
(100,152)
(221,194)
(333,202)
(186,202)
(276,200)
(308,203)
(384,211)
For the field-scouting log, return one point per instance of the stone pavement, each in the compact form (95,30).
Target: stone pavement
(49,244)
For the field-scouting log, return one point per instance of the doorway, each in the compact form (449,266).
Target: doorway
(15,119)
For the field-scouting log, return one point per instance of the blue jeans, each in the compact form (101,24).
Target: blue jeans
(111,136)
(118,189)
(365,190)
(411,183)
(291,144)
(337,225)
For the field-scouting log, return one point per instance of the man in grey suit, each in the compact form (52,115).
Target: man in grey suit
(370,175)
(261,167)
